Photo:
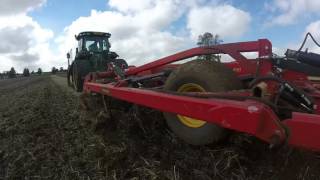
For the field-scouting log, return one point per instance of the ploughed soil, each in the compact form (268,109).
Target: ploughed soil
(45,134)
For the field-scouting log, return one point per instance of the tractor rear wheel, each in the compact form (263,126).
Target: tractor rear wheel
(199,76)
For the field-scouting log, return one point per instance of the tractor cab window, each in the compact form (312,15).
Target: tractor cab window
(96,44)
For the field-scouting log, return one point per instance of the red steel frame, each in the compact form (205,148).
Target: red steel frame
(248,116)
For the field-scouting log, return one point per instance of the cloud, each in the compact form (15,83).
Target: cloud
(25,58)
(131,6)
(144,48)
(11,7)
(23,41)
(225,20)
(291,11)
(15,39)
(314,29)
(142,30)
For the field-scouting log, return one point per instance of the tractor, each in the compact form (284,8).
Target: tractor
(91,55)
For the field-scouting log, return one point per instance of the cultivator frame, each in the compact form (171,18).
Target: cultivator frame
(241,111)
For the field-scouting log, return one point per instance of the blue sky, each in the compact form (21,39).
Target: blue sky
(143,30)
(57,14)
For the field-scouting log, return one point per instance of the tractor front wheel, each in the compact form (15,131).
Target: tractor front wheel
(199,76)
(80,69)
(69,75)
(77,80)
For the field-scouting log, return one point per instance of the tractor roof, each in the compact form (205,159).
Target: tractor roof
(92,33)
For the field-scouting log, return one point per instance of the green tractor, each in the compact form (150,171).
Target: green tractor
(91,55)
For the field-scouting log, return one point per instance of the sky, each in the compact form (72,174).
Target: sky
(39,33)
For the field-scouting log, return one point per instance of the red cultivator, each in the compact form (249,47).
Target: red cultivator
(274,99)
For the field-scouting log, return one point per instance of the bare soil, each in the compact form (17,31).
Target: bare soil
(44,134)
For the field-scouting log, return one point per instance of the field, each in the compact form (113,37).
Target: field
(45,134)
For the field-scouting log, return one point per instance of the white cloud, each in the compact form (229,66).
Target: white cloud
(25,24)
(314,29)
(140,29)
(290,11)
(23,40)
(14,39)
(280,50)
(225,20)
(144,48)
(131,6)
(12,7)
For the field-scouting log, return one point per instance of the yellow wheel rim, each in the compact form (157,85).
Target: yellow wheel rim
(191,122)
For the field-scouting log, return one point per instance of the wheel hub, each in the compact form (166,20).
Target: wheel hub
(188,121)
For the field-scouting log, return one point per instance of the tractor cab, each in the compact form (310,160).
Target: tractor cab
(93,42)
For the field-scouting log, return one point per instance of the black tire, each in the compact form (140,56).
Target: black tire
(212,77)
(77,83)
(80,70)
(69,75)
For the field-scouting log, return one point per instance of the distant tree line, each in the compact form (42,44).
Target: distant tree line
(54,70)
(13,74)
